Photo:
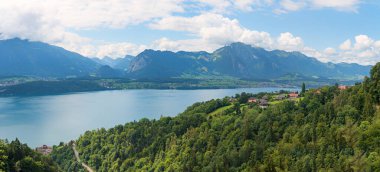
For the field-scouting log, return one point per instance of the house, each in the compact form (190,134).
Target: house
(265,97)
(293,95)
(342,87)
(281,97)
(263,103)
(232,99)
(45,150)
(252,100)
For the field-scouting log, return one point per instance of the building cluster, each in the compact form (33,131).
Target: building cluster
(45,150)
(9,83)
(264,101)
(340,87)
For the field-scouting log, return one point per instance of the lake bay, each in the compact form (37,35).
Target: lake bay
(50,119)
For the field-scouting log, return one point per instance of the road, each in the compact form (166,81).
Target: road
(89,169)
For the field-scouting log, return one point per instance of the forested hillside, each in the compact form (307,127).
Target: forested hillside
(15,156)
(327,130)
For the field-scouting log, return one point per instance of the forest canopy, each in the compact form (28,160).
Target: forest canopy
(327,129)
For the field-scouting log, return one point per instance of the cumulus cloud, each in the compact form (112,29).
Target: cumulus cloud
(364,50)
(329,51)
(90,14)
(346,45)
(286,41)
(214,29)
(113,50)
(346,5)
(278,6)
(290,5)
(53,21)
(211,31)
(228,6)
(363,42)
(285,6)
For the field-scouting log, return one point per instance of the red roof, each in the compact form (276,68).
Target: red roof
(293,95)
(342,87)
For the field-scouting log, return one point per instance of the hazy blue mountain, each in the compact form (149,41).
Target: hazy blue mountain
(27,58)
(117,63)
(165,64)
(109,72)
(105,61)
(241,61)
(123,63)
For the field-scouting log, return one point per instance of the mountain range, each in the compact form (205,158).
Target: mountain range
(238,60)
(27,58)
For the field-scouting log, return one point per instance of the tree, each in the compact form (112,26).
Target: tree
(375,83)
(3,156)
(29,165)
(237,108)
(303,90)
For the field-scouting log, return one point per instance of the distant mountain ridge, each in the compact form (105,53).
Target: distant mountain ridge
(27,58)
(238,60)
(117,63)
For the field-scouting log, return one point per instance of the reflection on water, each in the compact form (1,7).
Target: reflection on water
(51,119)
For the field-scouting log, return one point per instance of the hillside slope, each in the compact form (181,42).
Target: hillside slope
(327,129)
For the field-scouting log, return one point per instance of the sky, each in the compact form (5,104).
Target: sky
(329,30)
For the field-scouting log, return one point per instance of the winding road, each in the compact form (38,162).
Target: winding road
(89,169)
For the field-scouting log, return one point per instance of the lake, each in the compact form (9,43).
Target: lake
(50,119)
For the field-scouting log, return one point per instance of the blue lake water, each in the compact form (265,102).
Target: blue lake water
(51,119)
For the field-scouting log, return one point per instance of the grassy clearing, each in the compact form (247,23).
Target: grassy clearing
(220,110)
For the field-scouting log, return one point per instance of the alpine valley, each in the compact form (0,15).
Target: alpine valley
(27,64)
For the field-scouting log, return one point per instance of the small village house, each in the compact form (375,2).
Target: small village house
(281,97)
(252,100)
(293,95)
(265,97)
(263,103)
(342,87)
(45,150)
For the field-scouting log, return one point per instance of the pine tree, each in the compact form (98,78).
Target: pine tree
(303,88)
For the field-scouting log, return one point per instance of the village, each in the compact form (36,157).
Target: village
(273,98)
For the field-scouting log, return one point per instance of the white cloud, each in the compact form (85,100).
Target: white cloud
(229,6)
(214,29)
(346,45)
(365,50)
(362,42)
(278,6)
(184,45)
(116,50)
(285,6)
(290,5)
(346,5)
(211,31)
(90,14)
(329,51)
(53,21)
(286,41)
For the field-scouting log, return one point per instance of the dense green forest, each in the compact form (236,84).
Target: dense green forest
(327,130)
(63,154)
(15,156)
